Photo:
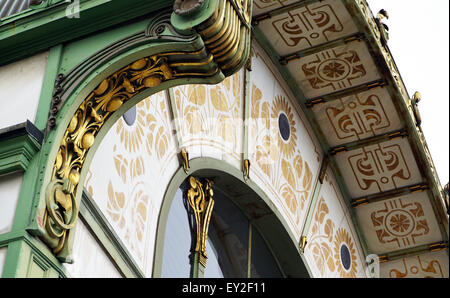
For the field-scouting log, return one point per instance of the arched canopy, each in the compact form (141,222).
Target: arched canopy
(197,45)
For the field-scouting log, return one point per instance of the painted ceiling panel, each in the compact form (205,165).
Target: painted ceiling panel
(357,117)
(334,56)
(334,69)
(307,26)
(378,168)
(262,6)
(399,223)
(429,265)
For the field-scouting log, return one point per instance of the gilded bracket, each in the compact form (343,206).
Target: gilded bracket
(246,170)
(185,159)
(200,198)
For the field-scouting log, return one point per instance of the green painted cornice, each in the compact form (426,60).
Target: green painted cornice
(36,30)
(18,145)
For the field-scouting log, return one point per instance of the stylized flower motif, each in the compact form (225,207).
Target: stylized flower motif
(400,223)
(284,126)
(132,135)
(334,70)
(345,254)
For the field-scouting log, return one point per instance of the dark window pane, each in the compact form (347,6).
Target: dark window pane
(177,240)
(228,238)
(263,263)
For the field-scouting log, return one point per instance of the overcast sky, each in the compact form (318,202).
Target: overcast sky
(419,43)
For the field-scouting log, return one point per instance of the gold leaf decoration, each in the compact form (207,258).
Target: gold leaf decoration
(307,178)
(218,100)
(197,94)
(298,165)
(162,142)
(137,167)
(115,204)
(226,129)
(322,211)
(256,98)
(329,229)
(288,173)
(121,165)
(290,199)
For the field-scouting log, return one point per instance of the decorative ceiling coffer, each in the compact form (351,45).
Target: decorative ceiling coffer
(216,46)
(200,198)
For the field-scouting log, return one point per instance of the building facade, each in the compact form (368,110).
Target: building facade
(211,138)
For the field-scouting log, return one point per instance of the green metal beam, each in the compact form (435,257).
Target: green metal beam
(35,31)
(386,195)
(18,146)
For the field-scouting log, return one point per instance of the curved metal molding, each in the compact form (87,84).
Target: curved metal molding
(204,53)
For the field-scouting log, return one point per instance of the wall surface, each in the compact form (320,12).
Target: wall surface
(20,89)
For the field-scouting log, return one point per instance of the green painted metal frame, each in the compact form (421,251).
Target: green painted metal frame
(58,64)
(36,30)
(107,238)
(17,149)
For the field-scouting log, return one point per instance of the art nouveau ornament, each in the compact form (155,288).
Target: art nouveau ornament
(215,60)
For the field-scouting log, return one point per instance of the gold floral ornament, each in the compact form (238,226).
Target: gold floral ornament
(200,198)
(61,207)
(345,254)
(284,127)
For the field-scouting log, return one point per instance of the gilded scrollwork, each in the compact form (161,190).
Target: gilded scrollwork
(200,198)
(109,96)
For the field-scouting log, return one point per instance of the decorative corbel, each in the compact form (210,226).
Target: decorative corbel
(382,27)
(185,159)
(246,170)
(200,198)
(303,242)
(414,102)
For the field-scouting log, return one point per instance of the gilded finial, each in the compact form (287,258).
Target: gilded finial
(303,242)
(185,157)
(246,169)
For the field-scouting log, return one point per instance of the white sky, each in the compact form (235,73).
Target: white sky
(419,43)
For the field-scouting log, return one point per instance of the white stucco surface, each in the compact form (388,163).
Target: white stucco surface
(9,195)
(20,89)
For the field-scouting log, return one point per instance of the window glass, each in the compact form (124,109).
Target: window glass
(263,263)
(228,237)
(177,240)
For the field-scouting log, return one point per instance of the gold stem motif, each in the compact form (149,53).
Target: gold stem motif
(200,198)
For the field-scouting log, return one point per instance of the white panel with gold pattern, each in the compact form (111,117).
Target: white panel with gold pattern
(433,264)
(262,6)
(285,158)
(308,26)
(129,174)
(211,119)
(380,167)
(334,69)
(333,248)
(399,223)
(357,117)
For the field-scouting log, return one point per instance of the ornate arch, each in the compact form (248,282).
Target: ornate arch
(259,209)
(203,42)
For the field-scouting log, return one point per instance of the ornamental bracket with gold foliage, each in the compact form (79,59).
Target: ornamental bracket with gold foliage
(200,198)
(220,31)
